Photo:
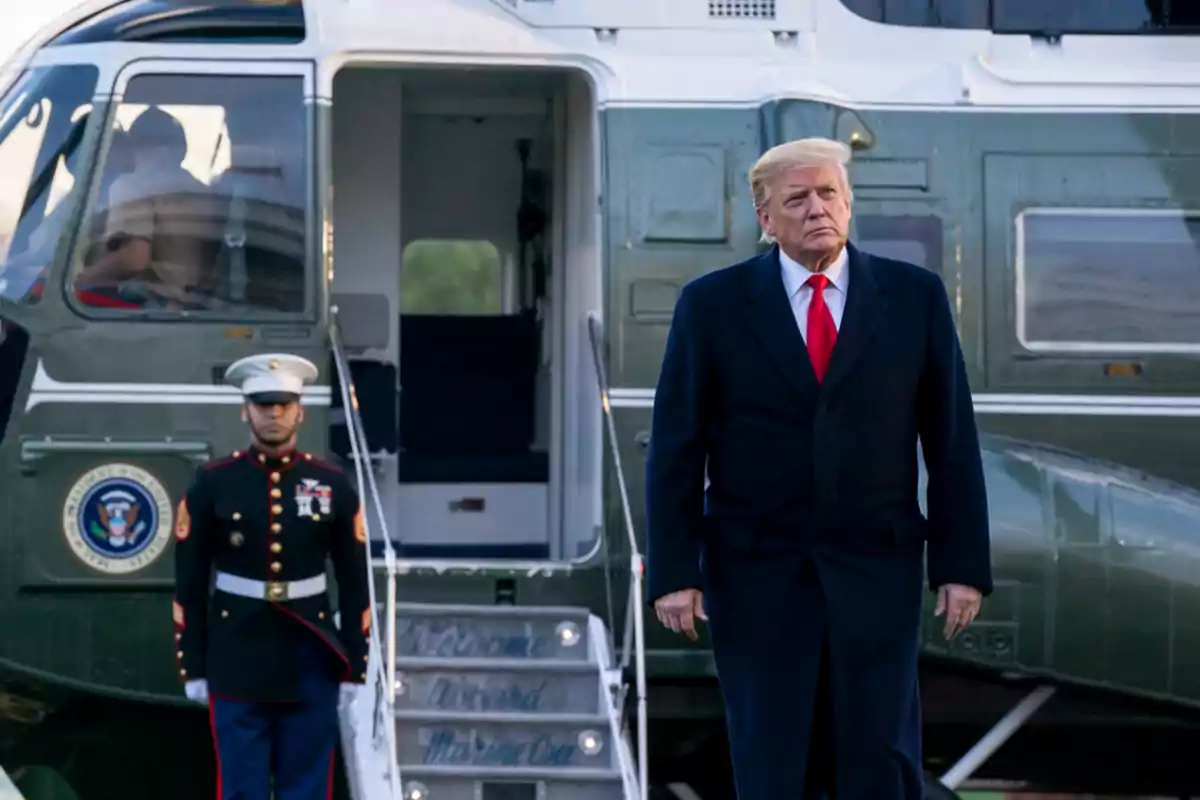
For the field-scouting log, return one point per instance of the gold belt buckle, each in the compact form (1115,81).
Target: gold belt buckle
(277,590)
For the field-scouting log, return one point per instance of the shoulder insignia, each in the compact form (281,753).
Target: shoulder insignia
(316,462)
(177,612)
(183,521)
(360,526)
(366,621)
(222,462)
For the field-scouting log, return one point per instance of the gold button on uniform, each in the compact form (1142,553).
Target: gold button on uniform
(276,567)
(316,517)
(276,547)
(236,539)
(237,515)
(276,509)
(276,492)
(275,477)
(320,615)
(179,654)
(224,613)
(276,527)
(183,673)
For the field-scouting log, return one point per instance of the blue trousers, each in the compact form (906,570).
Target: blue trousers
(292,743)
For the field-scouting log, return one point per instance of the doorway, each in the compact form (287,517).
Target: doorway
(461,306)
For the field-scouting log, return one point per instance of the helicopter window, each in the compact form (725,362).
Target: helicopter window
(915,239)
(241,21)
(449,277)
(1108,280)
(923,13)
(1037,17)
(42,121)
(203,199)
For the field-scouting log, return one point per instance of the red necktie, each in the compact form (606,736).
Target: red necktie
(822,333)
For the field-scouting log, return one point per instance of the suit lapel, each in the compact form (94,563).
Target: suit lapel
(770,314)
(865,309)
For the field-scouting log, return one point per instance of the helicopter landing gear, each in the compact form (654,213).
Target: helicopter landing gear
(987,746)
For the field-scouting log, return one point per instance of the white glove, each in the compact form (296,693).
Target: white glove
(197,690)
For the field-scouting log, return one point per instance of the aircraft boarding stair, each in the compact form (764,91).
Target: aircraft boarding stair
(513,700)
(489,702)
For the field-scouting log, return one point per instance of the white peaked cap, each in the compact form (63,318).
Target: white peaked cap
(272,375)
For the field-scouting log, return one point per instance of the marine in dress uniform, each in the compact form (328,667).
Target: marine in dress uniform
(254,626)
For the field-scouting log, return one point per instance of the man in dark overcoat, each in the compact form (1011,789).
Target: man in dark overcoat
(797,385)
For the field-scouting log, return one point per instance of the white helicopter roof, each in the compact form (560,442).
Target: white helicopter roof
(725,52)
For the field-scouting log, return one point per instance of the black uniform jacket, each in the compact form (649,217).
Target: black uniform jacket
(273,520)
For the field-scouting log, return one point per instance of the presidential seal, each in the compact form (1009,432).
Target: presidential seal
(117,518)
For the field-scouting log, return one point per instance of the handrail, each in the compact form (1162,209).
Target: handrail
(9,790)
(385,701)
(635,611)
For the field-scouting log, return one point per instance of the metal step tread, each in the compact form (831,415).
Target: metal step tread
(504,611)
(504,567)
(559,774)
(501,717)
(452,664)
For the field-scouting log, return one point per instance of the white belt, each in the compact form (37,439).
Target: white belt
(271,590)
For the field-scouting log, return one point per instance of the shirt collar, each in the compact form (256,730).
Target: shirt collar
(794,275)
(284,458)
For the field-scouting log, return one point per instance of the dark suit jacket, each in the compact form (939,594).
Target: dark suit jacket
(797,465)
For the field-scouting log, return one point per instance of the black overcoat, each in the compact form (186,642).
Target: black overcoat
(809,540)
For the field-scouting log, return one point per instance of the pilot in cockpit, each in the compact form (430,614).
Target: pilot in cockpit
(263,245)
(150,233)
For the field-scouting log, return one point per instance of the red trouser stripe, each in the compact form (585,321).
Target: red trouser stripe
(212,723)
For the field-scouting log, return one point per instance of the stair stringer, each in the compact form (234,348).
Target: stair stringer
(451,741)
(612,693)
(368,736)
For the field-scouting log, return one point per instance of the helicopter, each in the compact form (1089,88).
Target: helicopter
(475,216)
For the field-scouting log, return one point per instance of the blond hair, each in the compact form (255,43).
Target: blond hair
(812,152)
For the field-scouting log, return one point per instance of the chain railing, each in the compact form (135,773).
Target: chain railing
(634,642)
(383,716)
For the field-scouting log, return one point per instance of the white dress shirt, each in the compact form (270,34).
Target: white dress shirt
(800,293)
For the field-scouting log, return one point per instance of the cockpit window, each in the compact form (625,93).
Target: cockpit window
(201,206)
(42,121)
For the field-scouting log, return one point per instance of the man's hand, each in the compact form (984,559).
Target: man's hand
(960,604)
(680,610)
